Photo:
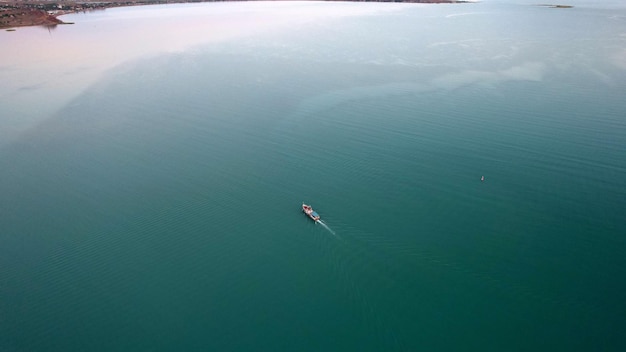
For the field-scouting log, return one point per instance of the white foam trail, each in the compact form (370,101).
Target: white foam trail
(326,227)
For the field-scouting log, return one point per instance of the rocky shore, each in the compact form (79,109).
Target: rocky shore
(15,13)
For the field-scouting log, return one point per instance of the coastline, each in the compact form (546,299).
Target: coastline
(15,14)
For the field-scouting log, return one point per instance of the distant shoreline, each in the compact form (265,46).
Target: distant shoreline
(45,13)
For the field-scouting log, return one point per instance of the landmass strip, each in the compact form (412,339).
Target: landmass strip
(15,13)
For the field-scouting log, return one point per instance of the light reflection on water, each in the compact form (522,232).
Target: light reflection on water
(44,70)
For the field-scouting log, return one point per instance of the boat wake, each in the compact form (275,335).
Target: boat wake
(326,227)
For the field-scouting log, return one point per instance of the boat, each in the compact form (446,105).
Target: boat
(308,210)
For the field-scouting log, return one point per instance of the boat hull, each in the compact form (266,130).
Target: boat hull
(308,210)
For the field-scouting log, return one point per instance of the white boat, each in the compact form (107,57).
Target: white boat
(308,210)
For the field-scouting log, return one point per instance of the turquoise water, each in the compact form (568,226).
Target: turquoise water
(160,208)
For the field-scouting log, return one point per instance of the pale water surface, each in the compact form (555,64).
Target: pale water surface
(152,168)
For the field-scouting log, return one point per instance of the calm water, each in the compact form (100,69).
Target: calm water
(157,205)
